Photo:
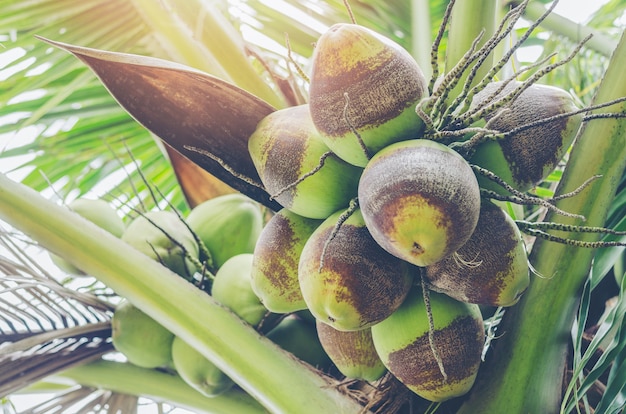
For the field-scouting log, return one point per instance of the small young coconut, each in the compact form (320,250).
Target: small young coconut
(299,337)
(525,158)
(349,281)
(491,268)
(402,342)
(420,200)
(144,341)
(233,289)
(228,225)
(297,167)
(163,236)
(365,83)
(275,263)
(352,352)
(197,371)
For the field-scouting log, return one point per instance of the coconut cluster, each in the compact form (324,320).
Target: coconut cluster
(386,245)
(376,208)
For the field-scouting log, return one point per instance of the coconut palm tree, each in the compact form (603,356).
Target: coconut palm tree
(72,134)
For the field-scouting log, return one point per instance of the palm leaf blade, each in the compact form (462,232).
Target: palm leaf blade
(45,327)
(23,368)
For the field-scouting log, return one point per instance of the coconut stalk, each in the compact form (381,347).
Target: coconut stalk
(159,386)
(270,375)
(525,371)
(421,35)
(468,20)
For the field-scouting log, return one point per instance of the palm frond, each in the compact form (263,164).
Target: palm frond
(603,353)
(609,16)
(22,367)
(607,261)
(305,20)
(85,399)
(45,327)
(51,104)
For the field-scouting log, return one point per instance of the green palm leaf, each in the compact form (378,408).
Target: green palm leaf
(96,138)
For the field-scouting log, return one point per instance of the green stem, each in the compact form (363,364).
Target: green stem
(272,376)
(421,35)
(524,373)
(467,20)
(158,386)
(574,31)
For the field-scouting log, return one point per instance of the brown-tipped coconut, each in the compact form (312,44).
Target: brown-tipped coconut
(491,268)
(297,167)
(352,352)
(275,263)
(363,82)
(420,200)
(402,343)
(350,282)
(525,158)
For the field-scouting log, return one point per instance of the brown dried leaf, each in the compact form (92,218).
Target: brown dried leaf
(187,109)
